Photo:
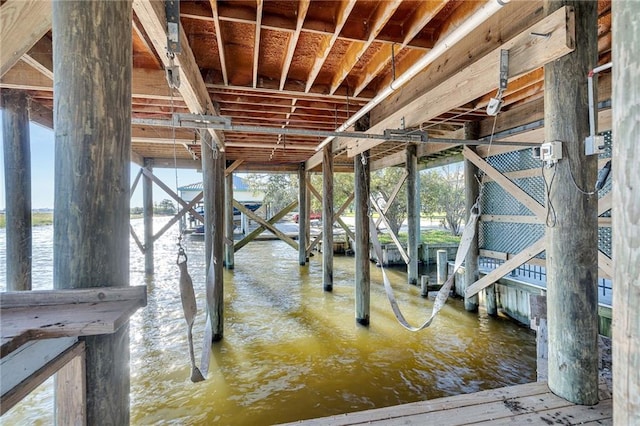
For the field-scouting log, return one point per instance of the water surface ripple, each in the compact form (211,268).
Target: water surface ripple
(290,351)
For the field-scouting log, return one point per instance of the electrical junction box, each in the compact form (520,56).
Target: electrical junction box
(593,145)
(551,152)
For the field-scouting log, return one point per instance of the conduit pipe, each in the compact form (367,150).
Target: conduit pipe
(468,25)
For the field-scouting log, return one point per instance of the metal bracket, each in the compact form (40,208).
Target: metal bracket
(496,103)
(172,10)
(173,74)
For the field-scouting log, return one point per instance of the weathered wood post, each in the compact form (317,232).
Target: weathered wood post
(327,219)
(471,273)
(213,167)
(302,215)
(413,213)
(208,189)
(442,257)
(626,211)
(572,238)
(229,259)
(147,211)
(92,92)
(17,183)
(362,264)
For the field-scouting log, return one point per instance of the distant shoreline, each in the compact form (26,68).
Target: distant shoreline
(44,218)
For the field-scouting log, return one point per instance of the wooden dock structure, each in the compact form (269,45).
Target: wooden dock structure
(527,404)
(307,86)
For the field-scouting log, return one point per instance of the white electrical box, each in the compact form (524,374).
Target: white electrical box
(551,152)
(594,145)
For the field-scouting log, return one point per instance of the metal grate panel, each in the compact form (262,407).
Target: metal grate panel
(514,237)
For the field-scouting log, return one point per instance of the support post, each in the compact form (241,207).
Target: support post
(572,237)
(147,211)
(363,274)
(302,215)
(626,199)
(442,257)
(17,172)
(413,213)
(327,219)
(92,160)
(471,191)
(213,167)
(229,258)
(208,189)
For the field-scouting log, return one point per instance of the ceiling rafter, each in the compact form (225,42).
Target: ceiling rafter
(327,43)
(151,14)
(303,7)
(216,23)
(381,16)
(23,24)
(420,17)
(256,45)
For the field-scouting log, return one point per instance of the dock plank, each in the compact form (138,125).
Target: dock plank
(102,311)
(531,403)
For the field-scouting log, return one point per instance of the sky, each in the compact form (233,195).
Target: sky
(42,172)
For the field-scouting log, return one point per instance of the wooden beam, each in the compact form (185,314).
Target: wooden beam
(232,167)
(505,183)
(50,367)
(526,53)
(376,23)
(24,22)
(393,195)
(172,194)
(327,219)
(362,185)
(626,198)
(71,381)
(416,22)
(40,56)
(150,84)
(393,236)
(256,43)
(572,237)
(508,266)
(17,161)
(151,14)
(344,10)
(266,224)
(303,7)
(177,216)
(275,218)
(220,43)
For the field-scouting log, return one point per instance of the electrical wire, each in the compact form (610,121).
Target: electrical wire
(551,218)
(573,180)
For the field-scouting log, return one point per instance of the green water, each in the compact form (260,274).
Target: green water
(292,351)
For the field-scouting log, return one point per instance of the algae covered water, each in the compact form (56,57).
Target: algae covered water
(290,350)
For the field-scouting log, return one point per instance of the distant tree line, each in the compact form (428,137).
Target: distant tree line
(441,193)
(162,208)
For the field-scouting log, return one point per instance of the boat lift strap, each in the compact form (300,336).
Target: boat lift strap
(443,293)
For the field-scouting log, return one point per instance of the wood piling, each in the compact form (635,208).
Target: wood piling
(327,219)
(147,211)
(17,172)
(362,264)
(572,229)
(302,215)
(92,87)
(442,257)
(229,250)
(413,213)
(213,168)
(626,202)
(471,271)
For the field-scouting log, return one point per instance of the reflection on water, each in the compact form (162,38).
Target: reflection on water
(292,351)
